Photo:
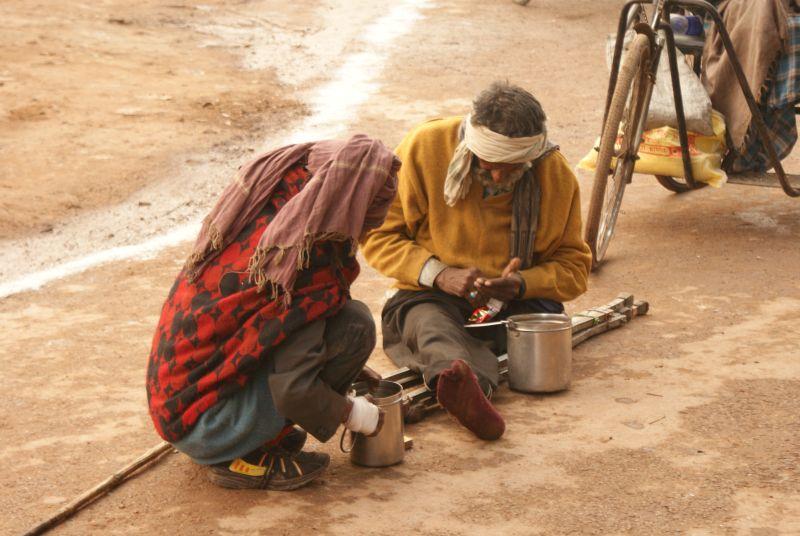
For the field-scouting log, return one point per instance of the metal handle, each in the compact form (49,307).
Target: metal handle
(352,442)
(487,324)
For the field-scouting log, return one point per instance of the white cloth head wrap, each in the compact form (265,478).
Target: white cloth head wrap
(491,147)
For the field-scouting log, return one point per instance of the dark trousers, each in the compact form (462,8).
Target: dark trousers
(424,331)
(314,367)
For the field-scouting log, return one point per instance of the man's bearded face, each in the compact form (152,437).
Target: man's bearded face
(498,173)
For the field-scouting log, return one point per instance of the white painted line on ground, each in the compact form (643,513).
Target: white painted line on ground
(143,250)
(334,106)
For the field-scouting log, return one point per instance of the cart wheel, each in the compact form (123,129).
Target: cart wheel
(617,139)
(672,184)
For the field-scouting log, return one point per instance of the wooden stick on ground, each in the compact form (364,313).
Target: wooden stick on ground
(101,489)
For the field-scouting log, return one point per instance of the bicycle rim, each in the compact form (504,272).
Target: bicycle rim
(626,109)
(623,168)
(611,207)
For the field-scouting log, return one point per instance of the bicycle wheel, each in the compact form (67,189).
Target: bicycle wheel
(672,184)
(621,126)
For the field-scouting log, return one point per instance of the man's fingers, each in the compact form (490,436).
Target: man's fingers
(496,282)
(499,282)
(501,288)
(513,266)
(502,294)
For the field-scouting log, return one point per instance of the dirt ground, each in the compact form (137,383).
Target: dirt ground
(101,98)
(121,121)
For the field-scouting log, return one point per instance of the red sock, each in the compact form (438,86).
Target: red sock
(459,393)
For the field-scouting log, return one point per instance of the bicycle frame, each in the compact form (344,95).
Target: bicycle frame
(659,26)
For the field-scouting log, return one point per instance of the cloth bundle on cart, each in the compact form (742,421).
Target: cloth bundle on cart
(777,106)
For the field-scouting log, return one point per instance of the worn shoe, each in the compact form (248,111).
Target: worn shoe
(294,440)
(460,394)
(271,468)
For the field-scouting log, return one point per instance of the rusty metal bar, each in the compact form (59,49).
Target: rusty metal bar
(677,95)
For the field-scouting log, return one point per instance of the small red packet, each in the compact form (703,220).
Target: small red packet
(486,312)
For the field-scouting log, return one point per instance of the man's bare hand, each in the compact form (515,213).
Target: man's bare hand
(457,281)
(504,288)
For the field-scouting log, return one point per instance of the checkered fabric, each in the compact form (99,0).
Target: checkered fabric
(782,128)
(777,107)
(785,90)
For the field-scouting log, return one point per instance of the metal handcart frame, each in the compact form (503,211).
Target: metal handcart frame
(630,88)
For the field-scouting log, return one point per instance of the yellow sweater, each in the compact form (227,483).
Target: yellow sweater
(475,232)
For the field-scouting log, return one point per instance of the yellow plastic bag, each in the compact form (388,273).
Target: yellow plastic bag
(660,154)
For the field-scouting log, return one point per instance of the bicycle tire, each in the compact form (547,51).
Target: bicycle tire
(672,184)
(600,213)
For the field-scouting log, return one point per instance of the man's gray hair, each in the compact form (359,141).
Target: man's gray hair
(508,110)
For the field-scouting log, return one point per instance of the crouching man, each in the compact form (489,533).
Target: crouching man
(259,332)
(486,208)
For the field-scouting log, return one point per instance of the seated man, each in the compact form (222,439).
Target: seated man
(259,331)
(486,208)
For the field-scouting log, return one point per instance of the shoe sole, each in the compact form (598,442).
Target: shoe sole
(228,479)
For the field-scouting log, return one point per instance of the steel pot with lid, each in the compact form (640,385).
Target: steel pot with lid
(539,351)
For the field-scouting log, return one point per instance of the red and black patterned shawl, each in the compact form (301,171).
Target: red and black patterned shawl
(216,329)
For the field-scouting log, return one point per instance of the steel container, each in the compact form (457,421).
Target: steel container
(539,352)
(388,446)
